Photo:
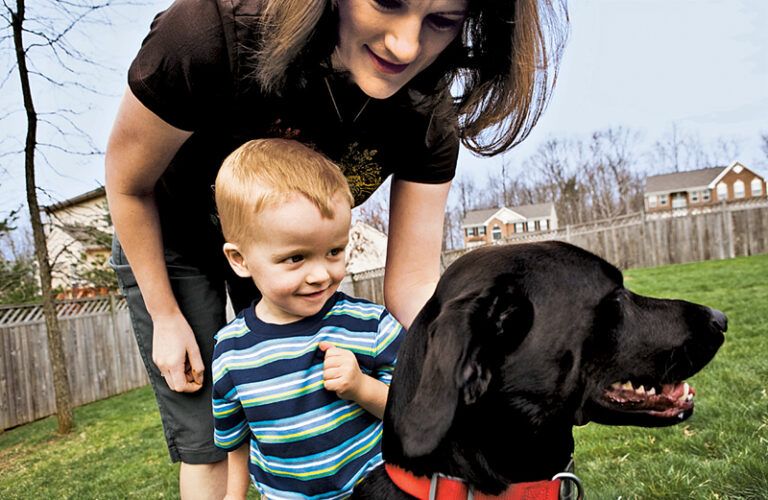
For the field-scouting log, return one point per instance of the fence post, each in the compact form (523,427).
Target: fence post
(728,220)
(113,314)
(643,231)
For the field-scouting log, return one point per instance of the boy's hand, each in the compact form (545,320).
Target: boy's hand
(341,372)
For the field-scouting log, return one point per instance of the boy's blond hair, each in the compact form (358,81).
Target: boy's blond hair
(267,171)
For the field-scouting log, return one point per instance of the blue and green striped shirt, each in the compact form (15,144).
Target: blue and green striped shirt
(305,442)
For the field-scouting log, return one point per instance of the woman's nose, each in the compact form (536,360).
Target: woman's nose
(403,40)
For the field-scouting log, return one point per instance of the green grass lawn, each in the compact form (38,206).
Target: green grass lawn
(117,450)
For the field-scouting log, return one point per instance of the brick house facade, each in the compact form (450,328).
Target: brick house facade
(702,187)
(482,227)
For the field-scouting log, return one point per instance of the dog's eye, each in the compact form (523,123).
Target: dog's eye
(609,309)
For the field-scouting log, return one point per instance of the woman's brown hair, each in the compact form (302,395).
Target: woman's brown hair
(503,66)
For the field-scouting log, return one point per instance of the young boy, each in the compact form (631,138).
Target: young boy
(302,375)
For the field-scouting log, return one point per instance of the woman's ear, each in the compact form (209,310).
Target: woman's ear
(236,260)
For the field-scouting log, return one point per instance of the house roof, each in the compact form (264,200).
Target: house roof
(476,217)
(480,217)
(89,236)
(534,211)
(682,180)
(90,195)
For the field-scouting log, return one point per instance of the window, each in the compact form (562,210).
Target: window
(679,200)
(738,189)
(537,225)
(652,201)
(663,199)
(482,230)
(722,191)
(694,196)
(757,187)
(546,224)
(496,233)
(519,227)
(706,195)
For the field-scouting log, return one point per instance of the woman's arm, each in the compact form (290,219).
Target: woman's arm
(140,147)
(416,213)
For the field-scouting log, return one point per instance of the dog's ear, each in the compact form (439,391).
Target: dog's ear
(428,416)
(469,336)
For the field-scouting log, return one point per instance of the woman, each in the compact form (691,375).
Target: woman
(367,82)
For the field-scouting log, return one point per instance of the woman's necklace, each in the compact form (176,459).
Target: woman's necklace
(336,106)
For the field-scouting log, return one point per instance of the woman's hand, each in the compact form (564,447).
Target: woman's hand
(176,354)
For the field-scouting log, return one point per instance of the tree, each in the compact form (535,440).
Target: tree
(18,275)
(611,174)
(47,33)
(558,162)
(375,210)
(679,150)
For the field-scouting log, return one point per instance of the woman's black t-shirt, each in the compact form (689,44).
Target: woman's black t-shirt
(192,72)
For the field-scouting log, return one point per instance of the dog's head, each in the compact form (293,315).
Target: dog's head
(519,343)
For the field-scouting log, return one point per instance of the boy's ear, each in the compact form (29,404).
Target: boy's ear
(236,260)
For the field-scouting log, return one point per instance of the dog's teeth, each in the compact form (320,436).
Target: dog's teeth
(681,416)
(640,390)
(689,398)
(686,390)
(651,391)
(627,386)
(616,385)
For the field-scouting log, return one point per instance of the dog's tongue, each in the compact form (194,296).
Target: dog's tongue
(674,400)
(678,390)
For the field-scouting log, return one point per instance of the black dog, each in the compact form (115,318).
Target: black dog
(520,343)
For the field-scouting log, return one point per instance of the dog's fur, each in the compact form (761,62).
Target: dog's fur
(520,343)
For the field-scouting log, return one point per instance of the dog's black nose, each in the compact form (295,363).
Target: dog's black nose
(719,320)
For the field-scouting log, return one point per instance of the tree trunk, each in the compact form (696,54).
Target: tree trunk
(55,346)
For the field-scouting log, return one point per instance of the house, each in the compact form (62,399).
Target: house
(366,250)
(680,191)
(78,233)
(482,227)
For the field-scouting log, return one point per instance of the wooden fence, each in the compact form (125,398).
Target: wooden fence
(102,358)
(642,240)
(101,355)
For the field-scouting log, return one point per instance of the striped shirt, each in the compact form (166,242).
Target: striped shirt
(305,442)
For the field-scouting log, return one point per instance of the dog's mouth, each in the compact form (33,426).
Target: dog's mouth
(662,401)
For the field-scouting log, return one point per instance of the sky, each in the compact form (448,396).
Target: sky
(648,65)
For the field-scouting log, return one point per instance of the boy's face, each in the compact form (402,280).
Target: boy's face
(296,257)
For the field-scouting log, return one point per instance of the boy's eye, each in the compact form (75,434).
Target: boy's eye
(389,4)
(295,258)
(335,252)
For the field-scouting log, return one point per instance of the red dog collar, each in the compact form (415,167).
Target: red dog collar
(448,488)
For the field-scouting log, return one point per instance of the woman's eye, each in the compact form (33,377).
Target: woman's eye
(443,23)
(389,4)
